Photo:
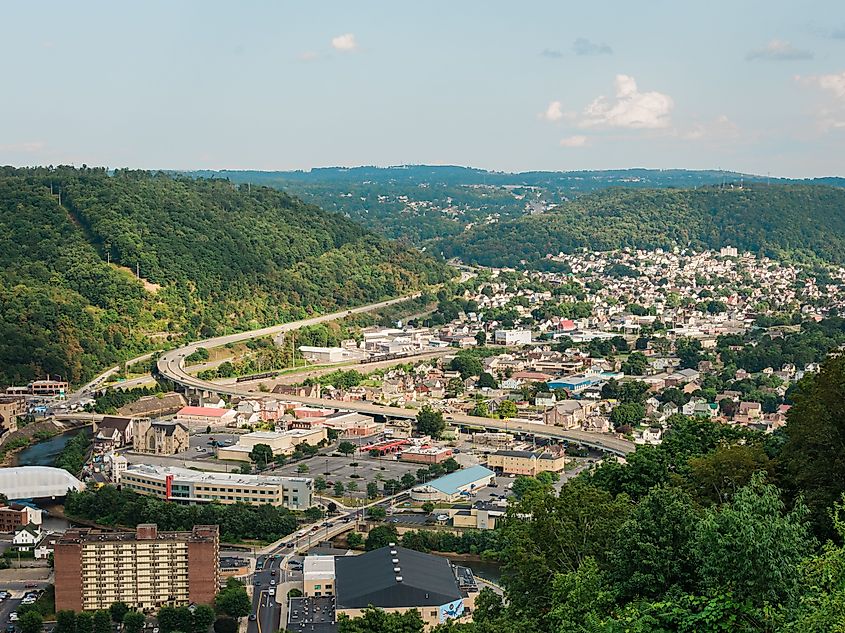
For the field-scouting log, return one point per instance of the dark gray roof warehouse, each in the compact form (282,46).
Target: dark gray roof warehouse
(371,579)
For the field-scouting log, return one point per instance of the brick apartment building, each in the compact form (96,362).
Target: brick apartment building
(146,569)
(16,515)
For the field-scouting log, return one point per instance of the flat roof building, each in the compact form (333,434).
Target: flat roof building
(283,443)
(146,569)
(192,486)
(461,483)
(528,463)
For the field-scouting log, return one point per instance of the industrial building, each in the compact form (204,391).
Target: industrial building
(193,486)
(454,486)
(391,578)
(146,569)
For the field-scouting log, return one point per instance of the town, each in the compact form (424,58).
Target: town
(421,430)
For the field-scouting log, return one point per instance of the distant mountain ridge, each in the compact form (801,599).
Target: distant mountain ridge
(783,220)
(423,203)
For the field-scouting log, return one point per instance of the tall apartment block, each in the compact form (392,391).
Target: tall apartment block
(146,569)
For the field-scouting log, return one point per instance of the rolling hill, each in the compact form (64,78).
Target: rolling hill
(792,220)
(213,257)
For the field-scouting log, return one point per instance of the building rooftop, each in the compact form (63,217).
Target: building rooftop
(211,477)
(144,532)
(317,567)
(212,412)
(371,579)
(451,483)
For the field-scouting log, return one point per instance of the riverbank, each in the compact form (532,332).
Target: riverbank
(30,435)
(45,451)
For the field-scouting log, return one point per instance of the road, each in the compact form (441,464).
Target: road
(172,365)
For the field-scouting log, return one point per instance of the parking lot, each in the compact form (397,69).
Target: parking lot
(199,444)
(340,469)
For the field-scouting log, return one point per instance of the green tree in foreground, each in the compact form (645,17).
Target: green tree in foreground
(381,536)
(233,600)
(84,622)
(201,619)
(378,621)
(225,625)
(31,622)
(65,621)
(261,454)
(347,448)
(102,622)
(753,546)
(117,610)
(133,622)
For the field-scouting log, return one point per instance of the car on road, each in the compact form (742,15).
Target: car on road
(13,616)
(272,572)
(272,582)
(30,585)
(252,616)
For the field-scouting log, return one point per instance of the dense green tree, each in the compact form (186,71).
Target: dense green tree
(66,621)
(233,600)
(636,364)
(653,552)
(380,536)
(347,448)
(487,381)
(225,625)
(812,458)
(261,454)
(201,619)
(84,622)
(133,622)
(715,477)
(102,622)
(430,422)
(378,621)
(507,409)
(753,546)
(31,622)
(117,610)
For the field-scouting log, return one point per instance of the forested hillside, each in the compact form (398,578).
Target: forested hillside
(213,257)
(424,202)
(804,220)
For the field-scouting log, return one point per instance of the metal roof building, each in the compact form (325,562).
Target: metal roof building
(454,485)
(37,482)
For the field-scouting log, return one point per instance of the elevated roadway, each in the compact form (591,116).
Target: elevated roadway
(171,365)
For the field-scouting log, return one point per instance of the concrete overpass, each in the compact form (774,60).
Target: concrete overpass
(37,482)
(171,365)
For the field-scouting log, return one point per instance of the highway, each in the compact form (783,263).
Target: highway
(172,366)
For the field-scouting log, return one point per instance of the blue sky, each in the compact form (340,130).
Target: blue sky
(754,86)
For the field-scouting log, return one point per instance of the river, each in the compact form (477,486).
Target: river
(45,453)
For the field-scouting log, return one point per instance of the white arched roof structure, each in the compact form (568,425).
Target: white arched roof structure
(36,482)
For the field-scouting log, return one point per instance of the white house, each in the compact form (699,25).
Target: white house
(27,537)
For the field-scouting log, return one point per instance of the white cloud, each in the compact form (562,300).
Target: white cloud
(630,109)
(834,84)
(574,141)
(583,46)
(779,51)
(830,114)
(345,43)
(554,112)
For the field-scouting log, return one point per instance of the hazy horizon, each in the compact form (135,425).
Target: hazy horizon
(755,88)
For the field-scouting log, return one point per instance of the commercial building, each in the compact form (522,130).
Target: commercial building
(16,515)
(284,443)
(396,579)
(160,438)
(318,574)
(146,569)
(328,354)
(426,454)
(512,337)
(529,463)
(192,486)
(11,409)
(351,424)
(48,388)
(481,515)
(461,483)
(196,417)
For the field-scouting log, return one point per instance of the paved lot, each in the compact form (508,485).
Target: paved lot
(340,470)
